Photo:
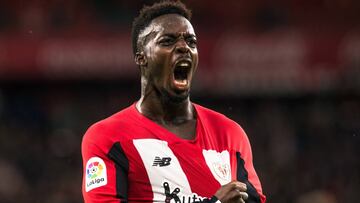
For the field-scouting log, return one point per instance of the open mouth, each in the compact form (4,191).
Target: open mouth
(181,74)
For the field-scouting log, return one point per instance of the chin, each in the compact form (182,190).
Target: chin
(175,97)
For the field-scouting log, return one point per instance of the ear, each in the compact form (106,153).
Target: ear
(140,59)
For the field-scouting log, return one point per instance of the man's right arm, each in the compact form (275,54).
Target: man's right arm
(101,172)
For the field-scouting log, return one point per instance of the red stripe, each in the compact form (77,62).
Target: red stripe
(139,181)
(196,170)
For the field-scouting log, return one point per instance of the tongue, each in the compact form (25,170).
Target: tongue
(180,83)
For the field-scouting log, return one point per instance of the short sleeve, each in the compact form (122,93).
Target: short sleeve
(100,173)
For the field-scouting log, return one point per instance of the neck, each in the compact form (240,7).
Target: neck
(161,110)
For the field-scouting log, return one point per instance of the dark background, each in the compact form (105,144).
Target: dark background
(287,71)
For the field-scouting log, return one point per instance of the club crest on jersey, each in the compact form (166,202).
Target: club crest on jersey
(222,170)
(95,175)
(219,165)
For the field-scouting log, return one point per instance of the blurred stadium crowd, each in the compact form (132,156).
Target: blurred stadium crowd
(305,131)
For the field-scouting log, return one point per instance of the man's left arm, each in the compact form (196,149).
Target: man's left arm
(245,171)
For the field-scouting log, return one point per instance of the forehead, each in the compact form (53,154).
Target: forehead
(170,24)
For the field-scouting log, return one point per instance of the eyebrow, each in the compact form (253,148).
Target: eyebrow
(173,35)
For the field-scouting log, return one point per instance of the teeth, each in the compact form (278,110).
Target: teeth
(183,64)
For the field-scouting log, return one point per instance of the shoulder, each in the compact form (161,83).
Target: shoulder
(104,130)
(219,125)
(215,118)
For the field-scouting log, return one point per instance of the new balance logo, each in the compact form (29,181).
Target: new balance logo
(165,161)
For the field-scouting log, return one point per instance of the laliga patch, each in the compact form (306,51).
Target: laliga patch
(95,173)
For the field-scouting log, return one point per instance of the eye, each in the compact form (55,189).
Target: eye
(191,42)
(167,41)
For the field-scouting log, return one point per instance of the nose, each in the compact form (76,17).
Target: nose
(182,46)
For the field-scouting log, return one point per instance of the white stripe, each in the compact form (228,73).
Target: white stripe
(173,173)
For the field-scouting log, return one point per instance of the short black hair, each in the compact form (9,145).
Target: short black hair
(148,13)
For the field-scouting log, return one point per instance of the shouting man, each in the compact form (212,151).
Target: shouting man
(164,148)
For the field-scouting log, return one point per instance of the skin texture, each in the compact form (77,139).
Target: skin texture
(234,191)
(166,41)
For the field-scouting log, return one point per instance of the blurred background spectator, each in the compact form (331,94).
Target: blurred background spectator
(287,71)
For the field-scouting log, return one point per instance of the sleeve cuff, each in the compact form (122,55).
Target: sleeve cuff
(214,199)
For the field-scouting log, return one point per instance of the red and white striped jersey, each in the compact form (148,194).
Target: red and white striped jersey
(129,158)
